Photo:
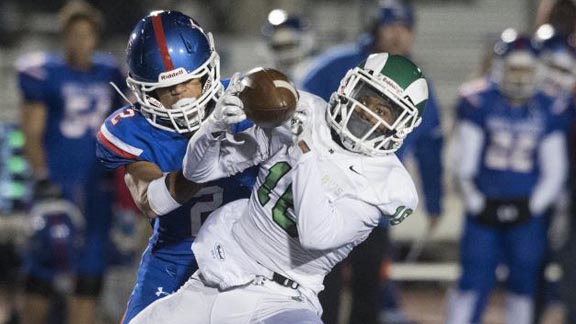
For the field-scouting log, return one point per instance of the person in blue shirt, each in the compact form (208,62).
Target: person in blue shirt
(65,98)
(174,73)
(289,43)
(558,55)
(511,166)
(392,31)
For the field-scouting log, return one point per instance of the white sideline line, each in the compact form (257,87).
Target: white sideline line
(449,271)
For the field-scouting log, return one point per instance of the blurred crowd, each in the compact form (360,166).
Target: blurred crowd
(66,222)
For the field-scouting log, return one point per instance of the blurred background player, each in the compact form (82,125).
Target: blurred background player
(558,60)
(174,73)
(556,20)
(66,96)
(289,43)
(392,31)
(511,165)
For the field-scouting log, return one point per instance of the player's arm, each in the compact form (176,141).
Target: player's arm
(211,155)
(428,153)
(323,224)
(214,153)
(33,121)
(470,139)
(156,193)
(468,149)
(553,160)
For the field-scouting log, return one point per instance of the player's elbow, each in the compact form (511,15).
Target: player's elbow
(315,242)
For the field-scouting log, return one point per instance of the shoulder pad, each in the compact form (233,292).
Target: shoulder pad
(34,64)
(117,133)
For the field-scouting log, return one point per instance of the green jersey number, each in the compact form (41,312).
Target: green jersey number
(401,213)
(280,209)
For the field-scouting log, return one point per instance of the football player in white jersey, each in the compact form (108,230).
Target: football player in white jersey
(326,179)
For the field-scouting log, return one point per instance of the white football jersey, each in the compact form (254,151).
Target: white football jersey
(307,211)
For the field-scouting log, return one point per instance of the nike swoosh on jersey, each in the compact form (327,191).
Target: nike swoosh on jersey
(353,170)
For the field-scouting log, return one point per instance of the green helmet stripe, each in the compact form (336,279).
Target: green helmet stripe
(396,67)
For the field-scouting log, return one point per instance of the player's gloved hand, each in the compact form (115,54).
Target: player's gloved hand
(229,109)
(297,123)
(299,133)
(44,189)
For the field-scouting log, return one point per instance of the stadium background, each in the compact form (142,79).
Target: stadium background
(452,37)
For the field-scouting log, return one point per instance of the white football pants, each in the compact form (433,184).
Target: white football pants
(260,302)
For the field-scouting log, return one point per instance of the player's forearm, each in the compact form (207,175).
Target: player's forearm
(201,162)
(470,139)
(214,155)
(181,188)
(138,177)
(554,171)
(429,156)
(33,126)
(34,151)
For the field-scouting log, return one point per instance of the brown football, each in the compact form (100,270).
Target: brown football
(269,97)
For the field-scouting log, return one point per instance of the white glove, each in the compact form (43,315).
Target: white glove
(297,123)
(299,133)
(229,108)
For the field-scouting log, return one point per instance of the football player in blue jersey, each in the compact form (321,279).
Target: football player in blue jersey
(512,164)
(558,56)
(392,31)
(174,72)
(289,43)
(66,96)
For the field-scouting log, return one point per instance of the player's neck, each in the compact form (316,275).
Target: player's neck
(82,63)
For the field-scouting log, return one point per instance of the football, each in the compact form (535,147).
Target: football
(269,97)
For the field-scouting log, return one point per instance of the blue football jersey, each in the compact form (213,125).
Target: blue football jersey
(508,166)
(76,103)
(126,136)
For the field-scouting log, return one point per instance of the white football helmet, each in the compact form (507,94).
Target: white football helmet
(378,104)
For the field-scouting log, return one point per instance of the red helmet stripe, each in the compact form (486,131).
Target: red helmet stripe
(161,41)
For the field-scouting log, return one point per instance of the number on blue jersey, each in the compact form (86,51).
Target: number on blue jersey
(507,152)
(209,199)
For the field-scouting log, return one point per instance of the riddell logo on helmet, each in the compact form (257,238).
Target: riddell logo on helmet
(393,85)
(171,74)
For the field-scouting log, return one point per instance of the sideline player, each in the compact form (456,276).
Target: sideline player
(289,43)
(65,99)
(316,197)
(512,164)
(174,74)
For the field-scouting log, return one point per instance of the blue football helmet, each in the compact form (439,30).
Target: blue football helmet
(289,38)
(559,60)
(167,48)
(515,68)
(395,11)
(52,248)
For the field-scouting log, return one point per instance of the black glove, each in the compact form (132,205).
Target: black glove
(44,189)
(504,212)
